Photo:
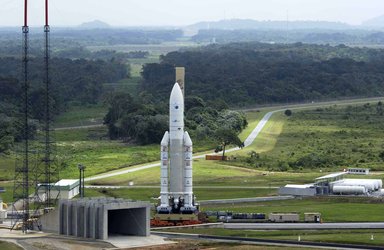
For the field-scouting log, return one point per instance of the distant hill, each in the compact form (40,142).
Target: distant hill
(375,22)
(96,24)
(233,24)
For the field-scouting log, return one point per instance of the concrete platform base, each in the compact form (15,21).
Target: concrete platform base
(137,241)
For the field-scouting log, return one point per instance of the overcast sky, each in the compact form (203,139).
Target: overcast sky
(183,12)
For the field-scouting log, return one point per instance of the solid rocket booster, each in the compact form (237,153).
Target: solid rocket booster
(176,193)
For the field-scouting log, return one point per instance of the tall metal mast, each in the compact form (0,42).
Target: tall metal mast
(21,186)
(48,149)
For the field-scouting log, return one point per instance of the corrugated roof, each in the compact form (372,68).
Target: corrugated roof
(328,176)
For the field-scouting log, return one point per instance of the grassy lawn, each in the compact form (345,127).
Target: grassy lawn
(81,116)
(129,85)
(9,246)
(357,236)
(7,166)
(217,173)
(202,193)
(102,156)
(328,138)
(7,196)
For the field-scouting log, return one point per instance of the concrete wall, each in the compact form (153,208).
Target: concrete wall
(297,191)
(99,217)
(50,221)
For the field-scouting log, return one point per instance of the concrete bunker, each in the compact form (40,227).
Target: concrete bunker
(99,218)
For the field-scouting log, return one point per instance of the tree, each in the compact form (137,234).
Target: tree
(288,112)
(227,137)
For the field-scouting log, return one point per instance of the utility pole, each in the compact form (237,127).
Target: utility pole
(81,179)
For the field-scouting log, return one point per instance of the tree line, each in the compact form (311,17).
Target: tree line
(242,74)
(79,81)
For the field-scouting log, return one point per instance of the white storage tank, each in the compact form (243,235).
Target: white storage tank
(370,184)
(342,189)
(380,184)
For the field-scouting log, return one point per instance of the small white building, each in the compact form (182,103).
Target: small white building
(362,171)
(63,189)
(298,190)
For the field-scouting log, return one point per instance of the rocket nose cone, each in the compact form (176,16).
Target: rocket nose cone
(176,99)
(176,109)
(176,93)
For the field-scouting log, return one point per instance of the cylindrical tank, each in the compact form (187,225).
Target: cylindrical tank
(348,189)
(380,184)
(370,184)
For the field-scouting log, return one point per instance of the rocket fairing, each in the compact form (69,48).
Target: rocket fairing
(176,193)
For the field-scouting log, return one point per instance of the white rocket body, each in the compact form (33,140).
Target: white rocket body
(176,161)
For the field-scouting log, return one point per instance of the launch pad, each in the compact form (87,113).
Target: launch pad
(177,202)
(176,195)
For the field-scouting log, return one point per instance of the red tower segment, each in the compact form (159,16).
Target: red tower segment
(25,13)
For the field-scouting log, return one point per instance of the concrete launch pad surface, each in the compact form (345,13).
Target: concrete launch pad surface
(138,241)
(41,240)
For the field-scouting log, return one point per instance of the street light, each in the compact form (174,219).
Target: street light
(81,177)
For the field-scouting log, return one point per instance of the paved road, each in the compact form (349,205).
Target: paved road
(247,142)
(195,187)
(255,226)
(80,127)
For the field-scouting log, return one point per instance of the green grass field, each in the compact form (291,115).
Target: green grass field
(359,236)
(9,246)
(216,173)
(128,85)
(280,137)
(332,209)
(203,193)
(81,116)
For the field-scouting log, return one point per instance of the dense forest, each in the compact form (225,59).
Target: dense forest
(64,38)
(255,73)
(73,81)
(335,37)
(144,119)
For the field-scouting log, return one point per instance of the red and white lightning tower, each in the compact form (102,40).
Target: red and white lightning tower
(21,182)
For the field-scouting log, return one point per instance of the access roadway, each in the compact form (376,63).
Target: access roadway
(304,226)
(265,242)
(249,140)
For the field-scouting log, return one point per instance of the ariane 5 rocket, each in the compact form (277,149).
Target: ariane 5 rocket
(176,195)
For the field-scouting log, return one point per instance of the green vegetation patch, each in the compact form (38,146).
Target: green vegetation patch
(9,246)
(325,138)
(202,193)
(102,156)
(81,116)
(332,209)
(362,237)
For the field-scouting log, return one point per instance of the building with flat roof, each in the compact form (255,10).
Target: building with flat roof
(63,189)
(360,171)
